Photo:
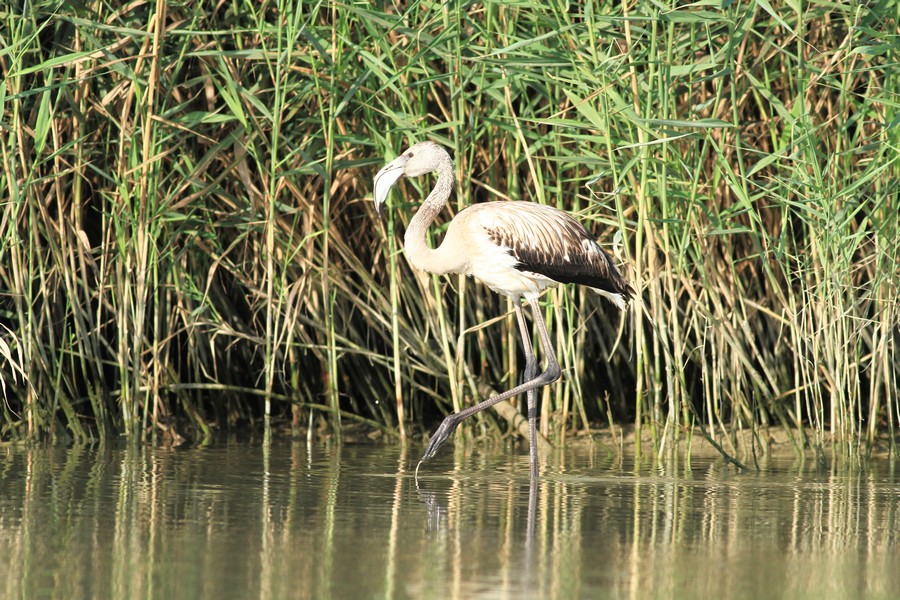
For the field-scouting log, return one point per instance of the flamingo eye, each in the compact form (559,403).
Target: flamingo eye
(409,154)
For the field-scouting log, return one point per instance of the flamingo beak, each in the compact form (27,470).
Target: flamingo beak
(385,180)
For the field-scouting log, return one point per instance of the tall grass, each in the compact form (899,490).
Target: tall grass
(187,240)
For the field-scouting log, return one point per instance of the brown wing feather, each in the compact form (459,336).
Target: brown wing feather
(552,243)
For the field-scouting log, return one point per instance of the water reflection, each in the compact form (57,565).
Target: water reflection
(689,532)
(279,520)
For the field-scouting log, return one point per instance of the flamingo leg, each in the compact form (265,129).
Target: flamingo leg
(530,368)
(550,374)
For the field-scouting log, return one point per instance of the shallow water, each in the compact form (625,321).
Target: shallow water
(288,520)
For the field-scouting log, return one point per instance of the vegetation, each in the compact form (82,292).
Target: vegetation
(187,239)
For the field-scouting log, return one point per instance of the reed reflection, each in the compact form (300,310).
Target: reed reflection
(298,520)
(704,529)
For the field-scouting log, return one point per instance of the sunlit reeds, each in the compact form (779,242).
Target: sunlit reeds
(186,214)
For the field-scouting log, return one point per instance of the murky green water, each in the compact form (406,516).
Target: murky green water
(240,520)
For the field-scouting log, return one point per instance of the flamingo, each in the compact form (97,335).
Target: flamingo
(517,249)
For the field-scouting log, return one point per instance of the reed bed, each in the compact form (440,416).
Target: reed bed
(187,240)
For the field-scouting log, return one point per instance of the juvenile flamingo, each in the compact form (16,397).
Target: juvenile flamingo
(515,248)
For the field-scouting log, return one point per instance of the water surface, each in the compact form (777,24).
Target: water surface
(291,520)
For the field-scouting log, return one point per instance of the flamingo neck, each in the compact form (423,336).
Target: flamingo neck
(433,260)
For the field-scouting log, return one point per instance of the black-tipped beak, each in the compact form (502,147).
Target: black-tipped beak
(385,180)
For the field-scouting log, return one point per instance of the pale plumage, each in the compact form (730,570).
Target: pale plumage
(515,248)
(545,245)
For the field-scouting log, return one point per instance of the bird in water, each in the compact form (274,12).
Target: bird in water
(517,249)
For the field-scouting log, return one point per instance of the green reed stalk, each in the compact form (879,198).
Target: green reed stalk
(188,215)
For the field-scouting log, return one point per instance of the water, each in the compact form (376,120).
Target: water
(246,520)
